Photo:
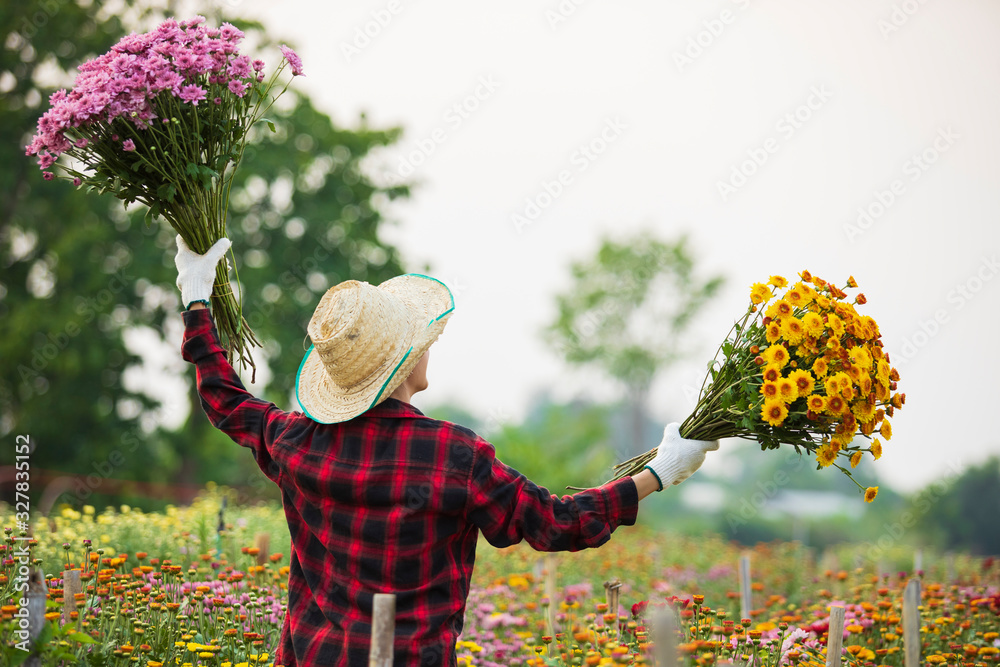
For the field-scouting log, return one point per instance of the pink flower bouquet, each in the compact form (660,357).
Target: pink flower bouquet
(162,119)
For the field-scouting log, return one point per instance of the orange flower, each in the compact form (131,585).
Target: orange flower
(886,430)
(771,374)
(870,493)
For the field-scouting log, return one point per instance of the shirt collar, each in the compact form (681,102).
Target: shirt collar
(393,407)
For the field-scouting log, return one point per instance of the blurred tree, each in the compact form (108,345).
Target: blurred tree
(81,276)
(558,446)
(964,513)
(626,311)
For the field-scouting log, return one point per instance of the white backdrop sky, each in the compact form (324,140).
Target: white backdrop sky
(887,83)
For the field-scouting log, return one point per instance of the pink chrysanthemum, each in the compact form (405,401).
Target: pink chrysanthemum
(192,94)
(128,145)
(293,60)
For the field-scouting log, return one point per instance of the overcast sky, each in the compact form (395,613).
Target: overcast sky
(759,128)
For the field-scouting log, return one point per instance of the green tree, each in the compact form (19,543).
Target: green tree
(80,274)
(627,310)
(965,514)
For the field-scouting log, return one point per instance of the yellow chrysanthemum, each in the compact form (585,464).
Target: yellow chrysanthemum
(774,412)
(882,370)
(876,449)
(775,355)
(770,390)
(812,323)
(870,493)
(803,381)
(864,411)
(826,455)
(779,308)
(820,367)
(773,332)
(817,403)
(787,390)
(791,330)
(760,293)
(835,404)
(771,374)
(855,459)
(835,324)
(777,281)
(859,357)
(870,327)
(844,381)
(886,430)
(797,296)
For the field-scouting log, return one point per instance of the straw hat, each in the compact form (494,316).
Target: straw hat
(365,342)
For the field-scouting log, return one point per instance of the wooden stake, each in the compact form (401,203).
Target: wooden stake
(835,637)
(611,596)
(665,637)
(383,630)
(911,623)
(263,542)
(71,587)
(37,592)
(746,587)
(918,562)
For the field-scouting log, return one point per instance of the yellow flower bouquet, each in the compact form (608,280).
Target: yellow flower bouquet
(801,368)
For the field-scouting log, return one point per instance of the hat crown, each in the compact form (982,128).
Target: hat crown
(356,331)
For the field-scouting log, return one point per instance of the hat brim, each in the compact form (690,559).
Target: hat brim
(429,304)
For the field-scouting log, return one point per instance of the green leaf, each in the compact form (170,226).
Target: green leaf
(270,124)
(81,637)
(19,657)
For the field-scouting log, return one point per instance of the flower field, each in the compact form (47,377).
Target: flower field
(168,588)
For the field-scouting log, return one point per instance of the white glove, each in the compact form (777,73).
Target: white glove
(677,458)
(196,273)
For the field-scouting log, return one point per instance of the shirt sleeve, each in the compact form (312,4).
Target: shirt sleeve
(508,507)
(248,420)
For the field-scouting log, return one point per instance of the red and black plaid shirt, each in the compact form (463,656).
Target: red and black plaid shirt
(388,502)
